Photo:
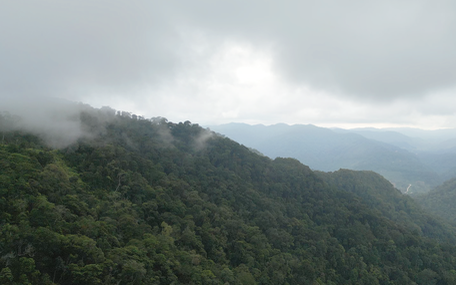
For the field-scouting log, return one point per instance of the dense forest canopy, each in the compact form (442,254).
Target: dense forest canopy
(441,200)
(147,201)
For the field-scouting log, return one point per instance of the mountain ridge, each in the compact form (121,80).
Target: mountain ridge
(327,150)
(147,201)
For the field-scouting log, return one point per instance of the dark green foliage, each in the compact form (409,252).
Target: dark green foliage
(153,202)
(382,197)
(441,200)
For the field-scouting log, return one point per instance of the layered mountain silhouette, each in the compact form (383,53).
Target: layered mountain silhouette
(412,164)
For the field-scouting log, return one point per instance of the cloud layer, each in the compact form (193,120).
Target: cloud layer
(382,62)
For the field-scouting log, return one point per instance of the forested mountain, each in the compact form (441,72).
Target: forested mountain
(411,139)
(442,162)
(387,136)
(381,196)
(147,201)
(329,150)
(436,149)
(441,200)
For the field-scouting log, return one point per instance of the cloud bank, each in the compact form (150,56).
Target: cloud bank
(216,61)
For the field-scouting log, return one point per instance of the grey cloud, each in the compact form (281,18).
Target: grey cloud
(378,50)
(64,48)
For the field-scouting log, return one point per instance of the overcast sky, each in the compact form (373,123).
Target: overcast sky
(328,63)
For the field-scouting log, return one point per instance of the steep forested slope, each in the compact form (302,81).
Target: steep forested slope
(436,149)
(381,196)
(441,200)
(152,202)
(327,150)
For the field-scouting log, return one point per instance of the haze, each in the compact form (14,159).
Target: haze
(328,63)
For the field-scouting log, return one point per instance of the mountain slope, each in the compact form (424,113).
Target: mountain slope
(435,149)
(381,196)
(387,136)
(441,200)
(152,202)
(326,150)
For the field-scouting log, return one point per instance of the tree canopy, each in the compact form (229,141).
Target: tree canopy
(147,201)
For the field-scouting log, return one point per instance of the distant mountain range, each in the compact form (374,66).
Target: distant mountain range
(413,160)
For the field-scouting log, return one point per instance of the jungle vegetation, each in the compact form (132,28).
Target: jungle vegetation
(147,201)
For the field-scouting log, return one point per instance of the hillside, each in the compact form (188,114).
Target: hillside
(328,150)
(381,196)
(391,137)
(436,149)
(441,200)
(136,201)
